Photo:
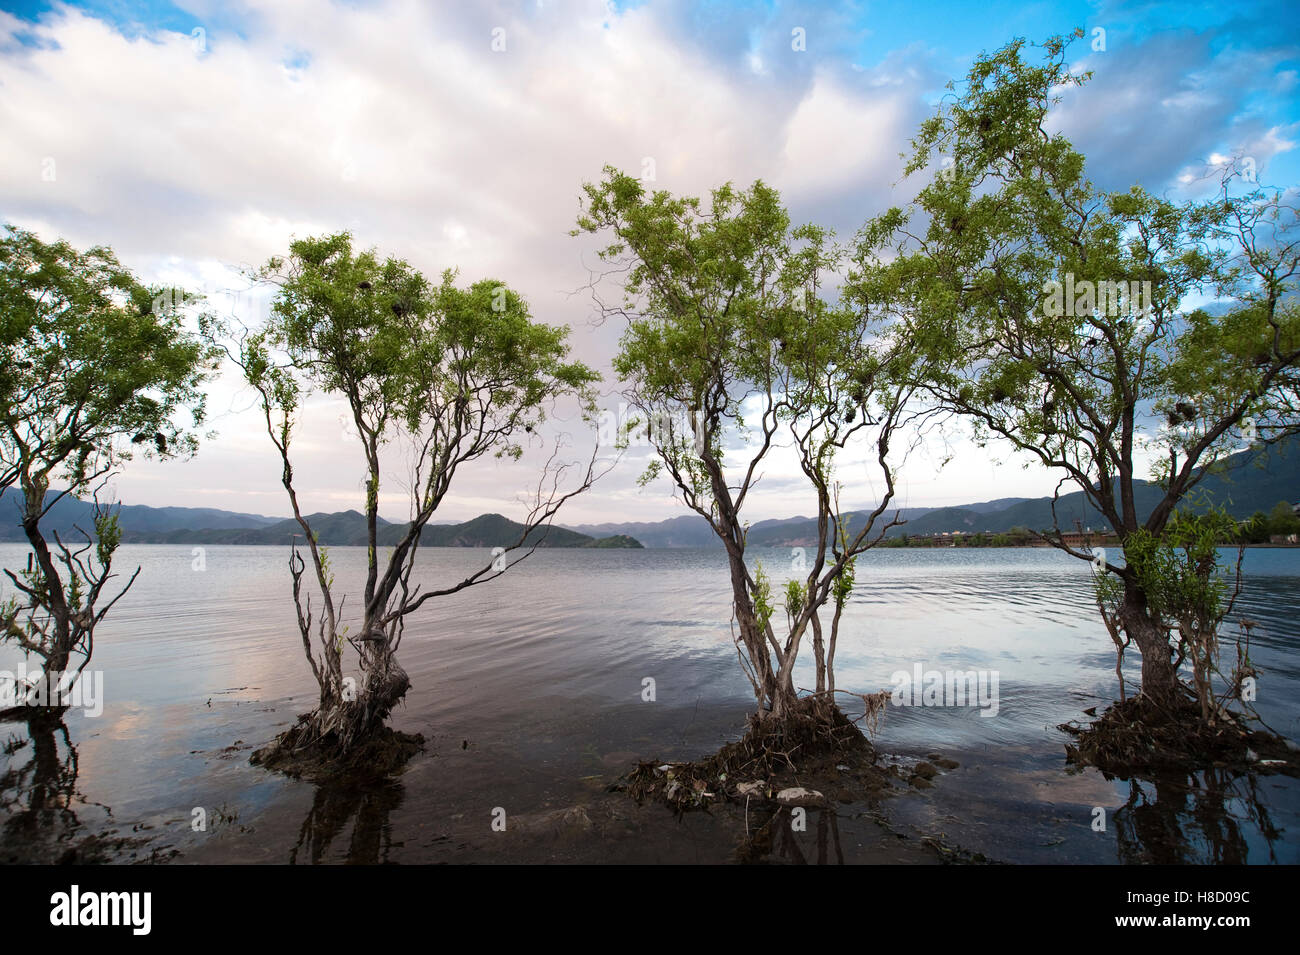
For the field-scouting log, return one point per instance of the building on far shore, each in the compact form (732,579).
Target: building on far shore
(1084,540)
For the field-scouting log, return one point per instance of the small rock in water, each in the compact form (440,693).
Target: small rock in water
(947,763)
(798,796)
(926,771)
(920,782)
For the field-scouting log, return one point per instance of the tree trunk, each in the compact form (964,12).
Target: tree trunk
(1159,679)
(347,718)
(819,653)
(353,721)
(60,647)
(751,634)
(783,699)
(830,650)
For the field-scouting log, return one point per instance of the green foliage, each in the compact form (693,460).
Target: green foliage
(1109,590)
(326,569)
(978,267)
(1051,314)
(456,372)
(95,366)
(76,591)
(108,534)
(723,306)
(796,596)
(1255,530)
(404,352)
(843,585)
(1179,570)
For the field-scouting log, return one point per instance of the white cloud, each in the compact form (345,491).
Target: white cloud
(397,120)
(837,137)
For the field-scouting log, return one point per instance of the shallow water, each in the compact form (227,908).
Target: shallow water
(529,692)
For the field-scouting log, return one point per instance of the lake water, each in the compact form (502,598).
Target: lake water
(528,691)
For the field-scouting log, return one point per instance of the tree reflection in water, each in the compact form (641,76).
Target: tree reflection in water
(777,840)
(366,805)
(1213,817)
(39,798)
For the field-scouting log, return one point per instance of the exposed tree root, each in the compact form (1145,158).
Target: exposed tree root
(334,744)
(1138,737)
(347,737)
(815,748)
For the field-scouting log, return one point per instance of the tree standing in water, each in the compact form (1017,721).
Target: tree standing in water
(97,367)
(1054,314)
(455,373)
(730,351)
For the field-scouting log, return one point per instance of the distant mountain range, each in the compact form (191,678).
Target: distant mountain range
(201,525)
(1253,481)
(691,530)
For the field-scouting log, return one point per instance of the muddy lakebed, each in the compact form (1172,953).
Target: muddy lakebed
(531,694)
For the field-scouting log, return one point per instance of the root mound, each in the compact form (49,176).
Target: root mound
(302,752)
(814,749)
(1139,737)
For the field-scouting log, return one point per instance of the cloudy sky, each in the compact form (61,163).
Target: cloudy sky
(198,137)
